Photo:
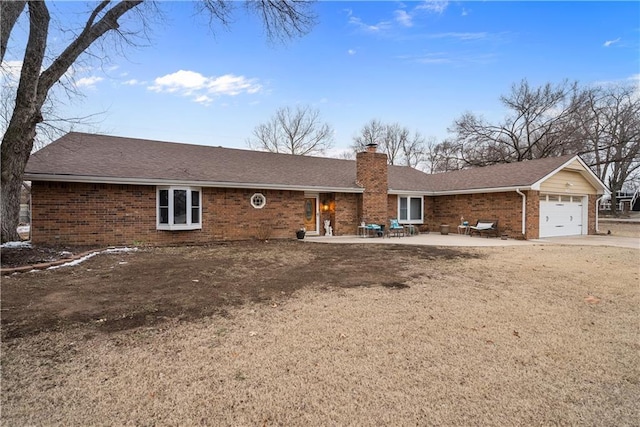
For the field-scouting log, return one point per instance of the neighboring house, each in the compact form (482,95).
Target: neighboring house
(91,189)
(627,201)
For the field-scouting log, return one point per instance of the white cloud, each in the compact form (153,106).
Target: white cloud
(182,80)
(457,59)
(369,28)
(611,42)
(89,82)
(435,6)
(204,100)
(460,36)
(351,52)
(403,18)
(132,82)
(201,88)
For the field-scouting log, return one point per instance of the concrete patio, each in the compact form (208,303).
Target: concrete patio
(454,239)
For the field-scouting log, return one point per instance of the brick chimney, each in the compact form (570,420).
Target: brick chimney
(372,174)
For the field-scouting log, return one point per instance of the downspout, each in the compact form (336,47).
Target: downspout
(524,211)
(597,212)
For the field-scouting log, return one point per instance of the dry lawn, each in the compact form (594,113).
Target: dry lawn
(623,229)
(537,335)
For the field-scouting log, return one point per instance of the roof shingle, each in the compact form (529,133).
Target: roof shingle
(103,157)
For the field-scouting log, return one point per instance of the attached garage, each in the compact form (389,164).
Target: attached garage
(564,196)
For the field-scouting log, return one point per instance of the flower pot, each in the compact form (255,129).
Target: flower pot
(300,234)
(444,229)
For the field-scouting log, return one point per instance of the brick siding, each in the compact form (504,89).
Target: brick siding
(347,214)
(107,214)
(505,207)
(591,206)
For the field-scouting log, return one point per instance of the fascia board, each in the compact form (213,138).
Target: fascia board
(407,193)
(166,182)
(480,190)
(454,192)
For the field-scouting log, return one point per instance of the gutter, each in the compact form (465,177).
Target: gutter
(167,182)
(456,192)
(524,211)
(597,211)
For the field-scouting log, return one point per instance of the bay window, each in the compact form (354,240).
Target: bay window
(179,208)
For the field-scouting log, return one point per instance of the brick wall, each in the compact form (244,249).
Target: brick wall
(347,213)
(591,206)
(533,215)
(372,175)
(392,208)
(505,207)
(107,214)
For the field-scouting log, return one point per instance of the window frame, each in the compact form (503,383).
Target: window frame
(258,196)
(408,219)
(171,225)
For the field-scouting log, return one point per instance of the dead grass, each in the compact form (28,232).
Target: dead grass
(621,228)
(508,338)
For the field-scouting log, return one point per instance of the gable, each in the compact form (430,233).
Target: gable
(567,181)
(573,177)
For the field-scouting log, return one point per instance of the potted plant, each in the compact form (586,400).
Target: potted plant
(300,233)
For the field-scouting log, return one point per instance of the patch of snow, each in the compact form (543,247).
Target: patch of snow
(13,245)
(24,228)
(74,262)
(91,255)
(117,250)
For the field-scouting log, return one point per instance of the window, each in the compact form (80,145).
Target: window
(179,208)
(258,201)
(410,209)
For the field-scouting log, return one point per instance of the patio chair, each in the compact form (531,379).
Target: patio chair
(395,229)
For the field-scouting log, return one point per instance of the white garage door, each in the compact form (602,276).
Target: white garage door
(561,215)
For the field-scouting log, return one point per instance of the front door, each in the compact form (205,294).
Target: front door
(310,220)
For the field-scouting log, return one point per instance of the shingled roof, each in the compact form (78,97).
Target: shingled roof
(509,175)
(101,158)
(115,159)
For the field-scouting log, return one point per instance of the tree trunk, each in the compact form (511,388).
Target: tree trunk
(16,147)
(17,141)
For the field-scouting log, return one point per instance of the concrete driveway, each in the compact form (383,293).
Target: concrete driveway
(437,239)
(607,240)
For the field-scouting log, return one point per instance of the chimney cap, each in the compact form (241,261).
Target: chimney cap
(372,147)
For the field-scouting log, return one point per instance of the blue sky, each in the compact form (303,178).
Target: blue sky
(421,64)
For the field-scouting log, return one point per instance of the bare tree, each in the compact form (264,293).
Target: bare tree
(442,157)
(282,19)
(540,124)
(396,141)
(610,125)
(293,131)
(414,149)
(371,133)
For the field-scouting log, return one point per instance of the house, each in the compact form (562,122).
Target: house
(627,201)
(89,189)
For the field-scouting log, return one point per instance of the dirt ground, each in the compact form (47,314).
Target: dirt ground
(124,290)
(296,333)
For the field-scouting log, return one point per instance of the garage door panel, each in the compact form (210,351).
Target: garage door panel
(560,218)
